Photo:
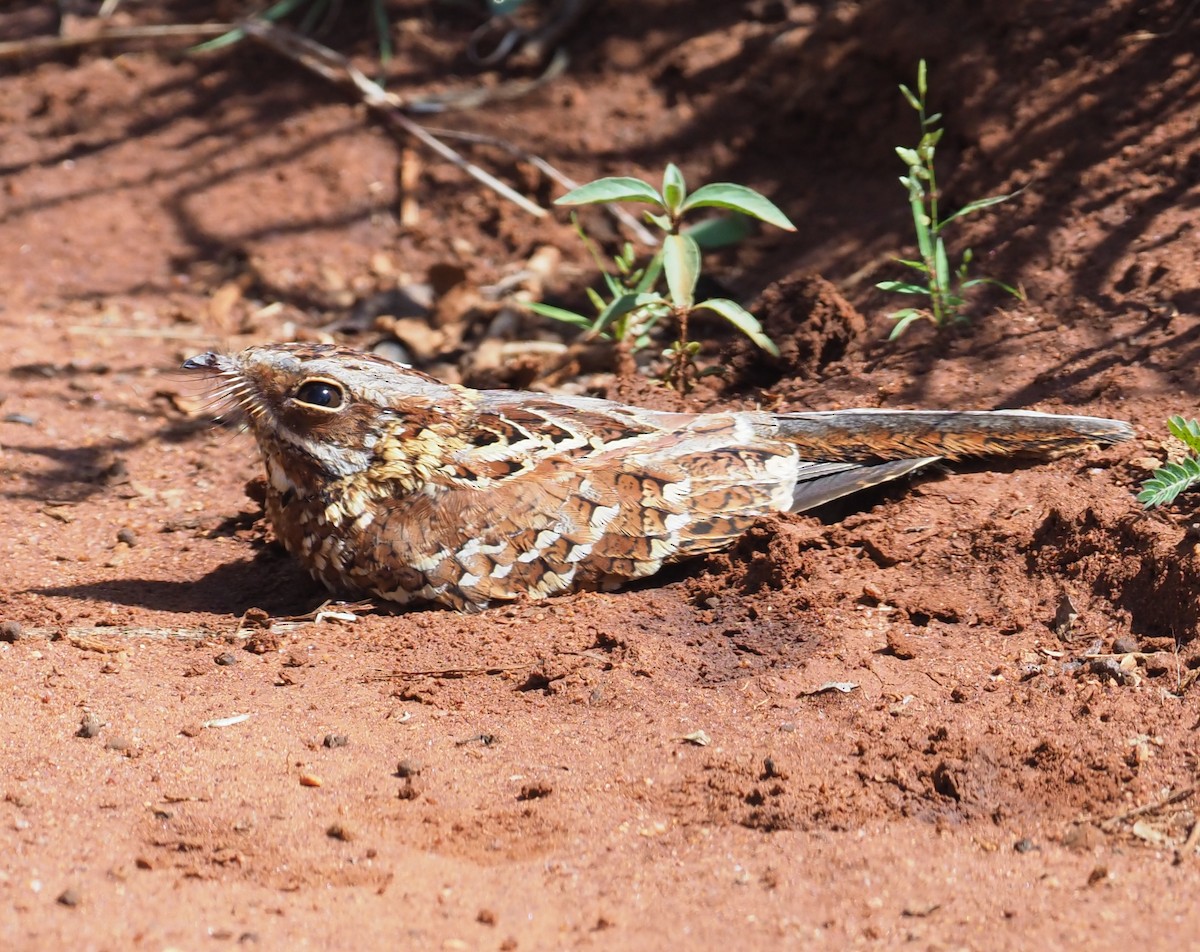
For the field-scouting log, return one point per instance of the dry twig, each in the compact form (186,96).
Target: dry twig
(336,68)
(640,232)
(1176,797)
(14,49)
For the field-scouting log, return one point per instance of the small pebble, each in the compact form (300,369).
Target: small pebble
(225,659)
(336,740)
(1124,645)
(339,831)
(68,897)
(310,780)
(11,631)
(23,419)
(128,536)
(89,726)
(1024,845)
(872,593)
(117,742)
(408,768)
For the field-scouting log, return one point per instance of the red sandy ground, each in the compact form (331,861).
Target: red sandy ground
(520,779)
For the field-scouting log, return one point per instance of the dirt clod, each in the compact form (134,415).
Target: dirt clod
(11,631)
(900,645)
(89,726)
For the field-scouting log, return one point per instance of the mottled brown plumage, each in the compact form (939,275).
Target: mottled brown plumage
(381,479)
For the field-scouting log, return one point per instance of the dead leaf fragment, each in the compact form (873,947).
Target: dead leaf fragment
(841,687)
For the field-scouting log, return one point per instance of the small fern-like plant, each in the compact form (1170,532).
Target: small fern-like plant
(1170,479)
(942,285)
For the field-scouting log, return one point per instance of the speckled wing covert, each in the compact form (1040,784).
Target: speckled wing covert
(384,480)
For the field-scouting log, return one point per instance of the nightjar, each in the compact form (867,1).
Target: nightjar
(383,480)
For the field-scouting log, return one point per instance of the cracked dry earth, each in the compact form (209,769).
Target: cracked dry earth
(958,713)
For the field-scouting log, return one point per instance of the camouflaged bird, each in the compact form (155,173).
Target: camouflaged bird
(381,479)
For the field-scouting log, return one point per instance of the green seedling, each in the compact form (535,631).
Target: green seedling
(1170,479)
(633,301)
(942,285)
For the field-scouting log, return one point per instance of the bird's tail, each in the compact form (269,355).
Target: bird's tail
(849,450)
(876,436)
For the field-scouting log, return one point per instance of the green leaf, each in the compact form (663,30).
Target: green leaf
(979,204)
(1168,482)
(650,278)
(911,97)
(713,233)
(908,156)
(596,299)
(674,190)
(743,320)
(919,265)
(922,76)
(941,265)
(738,198)
(1186,431)
(618,308)
(921,226)
(615,189)
(681,265)
(930,120)
(383,30)
(902,287)
(1015,292)
(661,222)
(904,318)
(559,314)
(275,12)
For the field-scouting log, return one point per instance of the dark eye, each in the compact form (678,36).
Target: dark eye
(320,393)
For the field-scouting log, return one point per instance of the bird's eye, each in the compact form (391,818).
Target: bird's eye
(320,393)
